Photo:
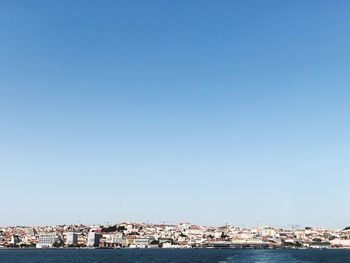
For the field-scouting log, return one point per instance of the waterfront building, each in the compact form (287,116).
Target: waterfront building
(141,242)
(93,239)
(72,239)
(118,239)
(340,243)
(47,240)
(14,240)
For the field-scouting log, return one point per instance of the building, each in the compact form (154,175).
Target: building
(93,239)
(118,239)
(14,240)
(141,242)
(341,243)
(268,232)
(299,234)
(47,240)
(72,239)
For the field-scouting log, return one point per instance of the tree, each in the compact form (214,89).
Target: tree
(121,228)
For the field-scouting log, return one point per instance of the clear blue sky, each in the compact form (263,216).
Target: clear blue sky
(200,111)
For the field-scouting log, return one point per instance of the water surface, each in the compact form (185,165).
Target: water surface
(174,256)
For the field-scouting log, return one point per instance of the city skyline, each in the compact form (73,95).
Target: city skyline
(182,235)
(198,111)
(228,224)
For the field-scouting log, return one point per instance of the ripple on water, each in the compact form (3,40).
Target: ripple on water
(265,256)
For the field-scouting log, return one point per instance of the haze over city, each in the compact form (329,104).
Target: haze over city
(209,112)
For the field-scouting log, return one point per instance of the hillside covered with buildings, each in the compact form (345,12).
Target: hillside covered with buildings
(183,235)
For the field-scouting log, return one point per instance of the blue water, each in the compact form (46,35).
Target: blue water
(175,256)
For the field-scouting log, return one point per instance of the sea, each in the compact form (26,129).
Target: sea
(174,255)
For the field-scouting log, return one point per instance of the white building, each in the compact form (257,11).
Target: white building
(268,232)
(118,239)
(141,242)
(14,240)
(72,239)
(47,240)
(93,239)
